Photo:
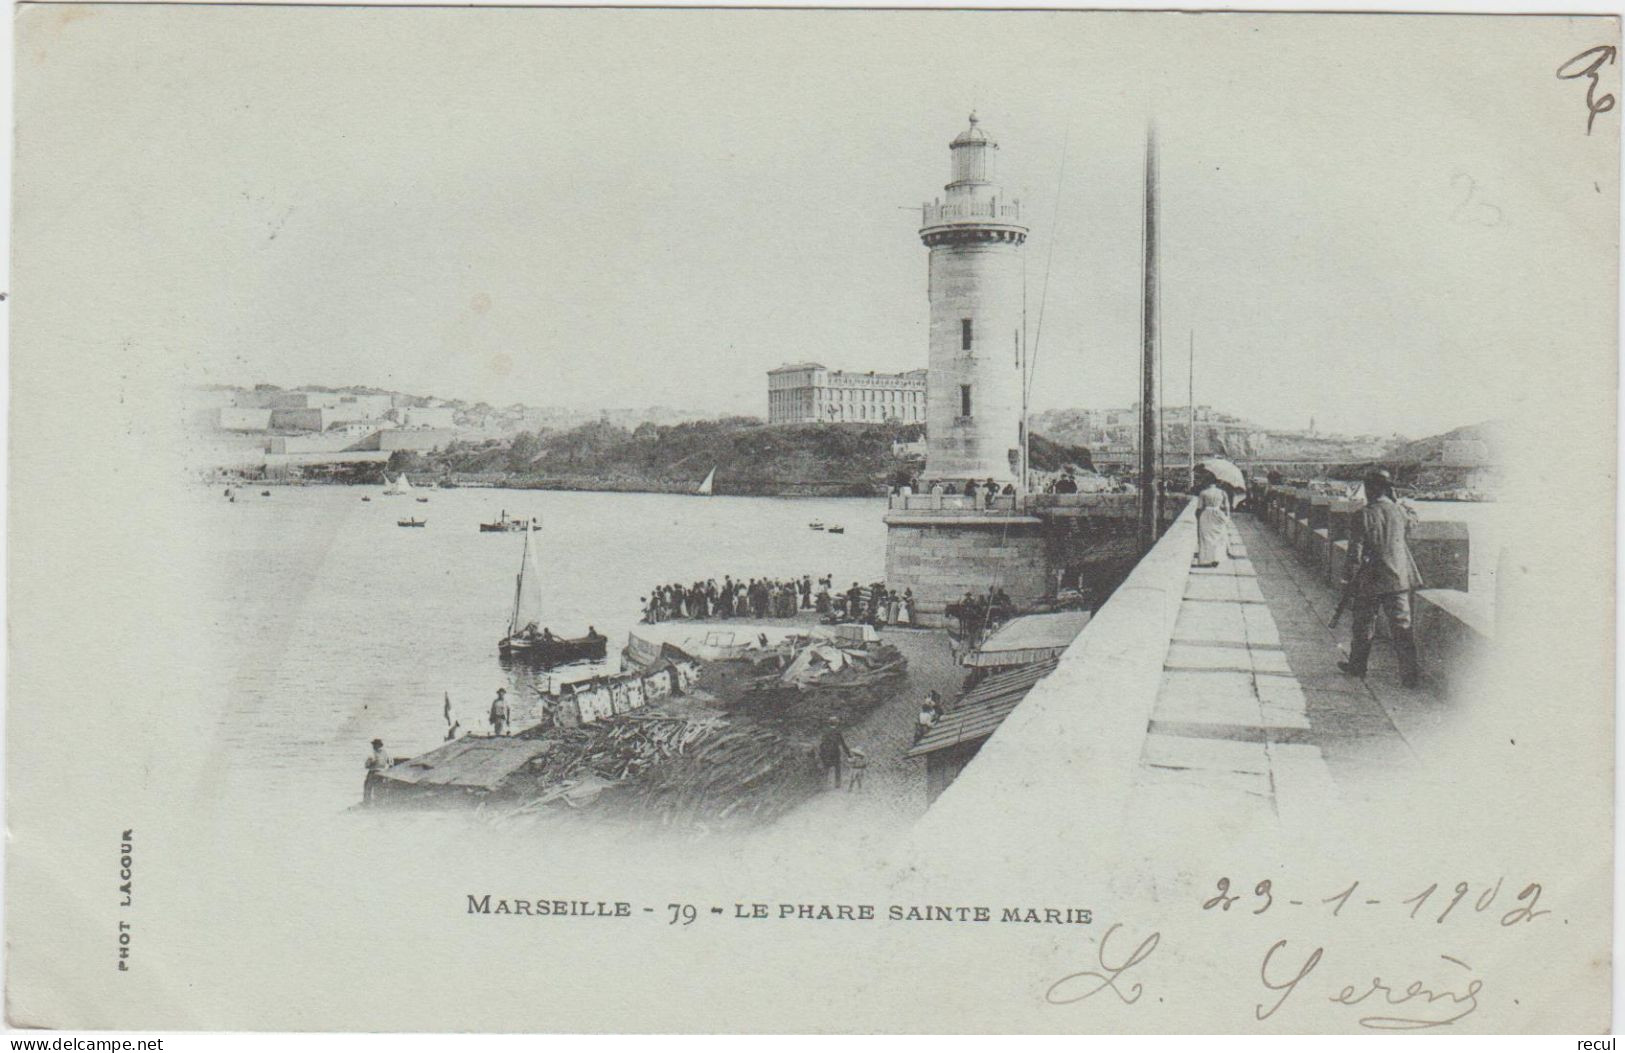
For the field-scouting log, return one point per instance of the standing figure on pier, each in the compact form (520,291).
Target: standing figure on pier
(832,750)
(1212,520)
(1385,575)
(378,761)
(500,713)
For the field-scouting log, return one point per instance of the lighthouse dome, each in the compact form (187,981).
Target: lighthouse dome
(973,134)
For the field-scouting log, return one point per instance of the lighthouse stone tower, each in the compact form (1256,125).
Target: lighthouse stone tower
(942,545)
(974,388)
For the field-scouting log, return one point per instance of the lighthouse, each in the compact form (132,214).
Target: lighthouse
(976,240)
(950,538)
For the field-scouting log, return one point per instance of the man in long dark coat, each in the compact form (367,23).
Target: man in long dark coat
(1385,576)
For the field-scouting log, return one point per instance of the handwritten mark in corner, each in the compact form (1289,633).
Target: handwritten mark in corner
(1587,64)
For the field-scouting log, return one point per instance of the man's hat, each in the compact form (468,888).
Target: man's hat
(1379,475)
(502,691)
(376,743)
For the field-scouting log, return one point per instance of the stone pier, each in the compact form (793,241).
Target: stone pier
(941,546)
(1208,702)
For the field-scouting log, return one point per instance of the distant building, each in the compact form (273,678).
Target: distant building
(305,399)
(808,392)
(356,429)
(429,417)
(243,418)
(290,418)
(421,440)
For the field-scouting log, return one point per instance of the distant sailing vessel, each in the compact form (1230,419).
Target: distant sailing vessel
(403,485)
(502,524)
(528,643)
(705,485)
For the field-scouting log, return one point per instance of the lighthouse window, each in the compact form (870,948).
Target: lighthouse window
(964,335)
(964,398)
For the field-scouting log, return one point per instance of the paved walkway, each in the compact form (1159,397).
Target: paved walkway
(1255,724)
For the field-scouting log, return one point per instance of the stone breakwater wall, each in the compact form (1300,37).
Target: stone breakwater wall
(1454,631)
(941,546)
(1064,761)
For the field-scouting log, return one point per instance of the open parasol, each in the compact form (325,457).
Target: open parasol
(1225,472)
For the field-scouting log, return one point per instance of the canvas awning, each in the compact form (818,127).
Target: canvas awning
(978,713)
(475,762)
(1029,638)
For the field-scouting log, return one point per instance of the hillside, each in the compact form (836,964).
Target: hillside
(1430,451)
(749,458)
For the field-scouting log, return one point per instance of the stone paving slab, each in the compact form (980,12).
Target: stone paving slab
(1214,698)
(1254,722)
(1203,754)
(1212,621)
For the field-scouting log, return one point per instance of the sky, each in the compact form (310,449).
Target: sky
(1381,223)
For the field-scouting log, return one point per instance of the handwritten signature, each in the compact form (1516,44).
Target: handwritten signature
(1439,1005)
(1577,67)
(1426,1005)
(1081,985)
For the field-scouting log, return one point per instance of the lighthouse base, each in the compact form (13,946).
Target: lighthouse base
(941,556)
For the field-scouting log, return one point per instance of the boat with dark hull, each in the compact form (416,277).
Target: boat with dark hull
(528,641)
(544,649)
(504,525)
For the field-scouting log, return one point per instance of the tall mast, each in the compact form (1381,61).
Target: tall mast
(1150,441)
(1191,409)
(519,585)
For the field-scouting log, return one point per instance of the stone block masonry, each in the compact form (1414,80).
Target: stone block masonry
(943,557)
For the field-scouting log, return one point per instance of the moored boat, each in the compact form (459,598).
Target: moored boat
(835,530)
(815,526)
(530,642)
(413,522)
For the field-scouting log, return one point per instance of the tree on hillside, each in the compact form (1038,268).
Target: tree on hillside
(1050,456)
(524,450)
(404,461)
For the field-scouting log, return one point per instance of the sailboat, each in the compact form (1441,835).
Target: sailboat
(705,485)
(527,641)
(398,487)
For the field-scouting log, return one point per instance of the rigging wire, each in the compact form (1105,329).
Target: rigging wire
(1049,260)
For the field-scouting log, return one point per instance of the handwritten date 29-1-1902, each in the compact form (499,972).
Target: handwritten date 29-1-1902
(1430,902)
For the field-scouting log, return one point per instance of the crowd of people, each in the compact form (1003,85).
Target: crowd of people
(988,489)
(753,598)
(1063,482)
(975,613)
(779,598)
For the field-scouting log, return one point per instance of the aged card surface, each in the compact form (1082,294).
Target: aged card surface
(723,520)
